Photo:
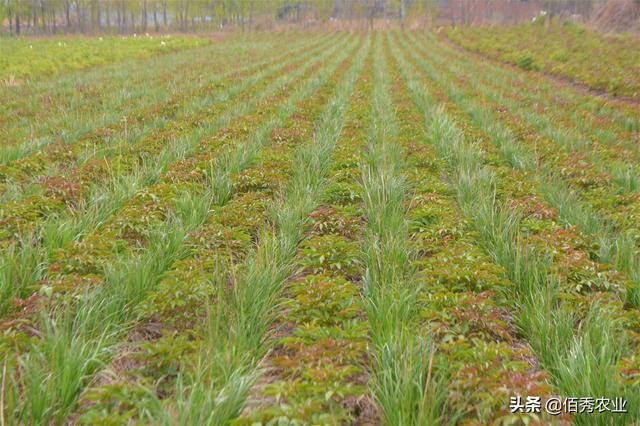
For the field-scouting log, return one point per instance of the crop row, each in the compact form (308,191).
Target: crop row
(60,219)
(613,154)
(365,232)
(602,112)
(571,310)
(604,217)
(33,109)
(314,373)
(188,161)
(122,108)
(76,161)
(214,389)
(163,215)
(567,50)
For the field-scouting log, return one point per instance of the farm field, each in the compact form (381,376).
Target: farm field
(33,59)
(317,228)
(606,63)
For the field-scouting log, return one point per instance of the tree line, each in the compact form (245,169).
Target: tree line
(128,16)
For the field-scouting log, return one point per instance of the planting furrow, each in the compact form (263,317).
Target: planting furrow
(612,232)
(214,390)
(131,278)
(69,227)
(567,306)
(612,167)
(315,373)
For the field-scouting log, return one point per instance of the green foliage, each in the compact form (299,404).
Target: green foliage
(331,254)
(316,245)
(556,322)
(602,62)
(21,267)
(26,59)
(115,404)
(526,62)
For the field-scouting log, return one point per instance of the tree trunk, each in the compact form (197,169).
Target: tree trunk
(453,16)
(92,15)
(43,17)
(18,19)
(10,14)
(144,16)
(80,18)
(98,13)
(185,16)
(68,15)
(118,18)
(350,14)
(108,12)
(164,13)
(155,16)
(250,14)
(371,12)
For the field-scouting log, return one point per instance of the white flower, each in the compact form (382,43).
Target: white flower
(162,43)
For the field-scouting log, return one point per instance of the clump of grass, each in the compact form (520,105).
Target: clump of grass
(405,366)
(405,383)
(22,266)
